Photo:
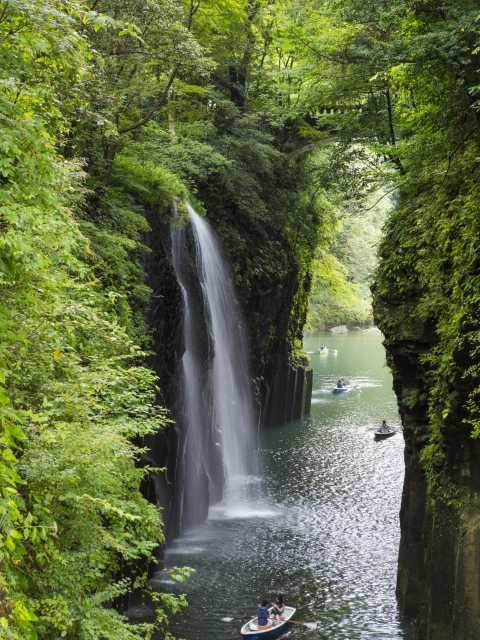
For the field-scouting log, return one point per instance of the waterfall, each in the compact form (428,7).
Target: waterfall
(218,458)
(194,480)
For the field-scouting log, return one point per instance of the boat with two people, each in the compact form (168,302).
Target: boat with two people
(326,351)
(275,627)
(385,431)
(342,386)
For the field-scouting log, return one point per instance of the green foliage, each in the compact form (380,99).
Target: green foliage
(74,396)
(334,299)
(342,275)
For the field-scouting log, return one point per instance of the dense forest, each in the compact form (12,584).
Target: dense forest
(342,271)
(293,125)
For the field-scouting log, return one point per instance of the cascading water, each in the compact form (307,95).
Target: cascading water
(195,482)
(218,458)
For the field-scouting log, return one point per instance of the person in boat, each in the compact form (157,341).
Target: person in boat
(384,426)
(263,614)
(278,607)
(340,383)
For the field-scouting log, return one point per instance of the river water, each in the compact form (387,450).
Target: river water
(326,532)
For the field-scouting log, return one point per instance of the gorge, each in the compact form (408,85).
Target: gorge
(129,404)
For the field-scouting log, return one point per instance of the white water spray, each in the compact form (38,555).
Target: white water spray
(219,419)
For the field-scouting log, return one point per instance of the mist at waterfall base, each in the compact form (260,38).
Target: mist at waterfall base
(330,543)
(218,460)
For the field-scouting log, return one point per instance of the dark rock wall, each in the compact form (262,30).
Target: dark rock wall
(438,584)
(165,320)
(288,395)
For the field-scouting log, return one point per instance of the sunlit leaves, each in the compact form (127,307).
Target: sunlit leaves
(73,394)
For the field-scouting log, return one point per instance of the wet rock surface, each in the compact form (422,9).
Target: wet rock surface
(438,586)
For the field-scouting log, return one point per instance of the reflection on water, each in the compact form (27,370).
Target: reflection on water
(326,532)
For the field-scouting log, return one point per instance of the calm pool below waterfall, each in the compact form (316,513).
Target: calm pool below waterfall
(327,533)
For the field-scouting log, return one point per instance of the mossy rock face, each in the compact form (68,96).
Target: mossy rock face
(426,302)
(269,232)
(273,290)
(468,554)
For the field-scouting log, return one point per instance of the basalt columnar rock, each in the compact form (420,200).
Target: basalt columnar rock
(273,291)
(428,311)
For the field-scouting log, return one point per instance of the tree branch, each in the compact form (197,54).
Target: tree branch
(4,11)
(382,197)
(194,7)
(393,138)
(159,104)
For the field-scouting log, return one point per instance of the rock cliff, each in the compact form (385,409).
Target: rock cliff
(429,340)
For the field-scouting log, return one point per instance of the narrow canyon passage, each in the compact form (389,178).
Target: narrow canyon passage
(327,532)
(186,188)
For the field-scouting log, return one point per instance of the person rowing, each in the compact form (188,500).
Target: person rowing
(263,615)
(385,426)
(271,620)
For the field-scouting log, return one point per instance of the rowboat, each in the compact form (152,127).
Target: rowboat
(381,434)
(340,389)
(252,631)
